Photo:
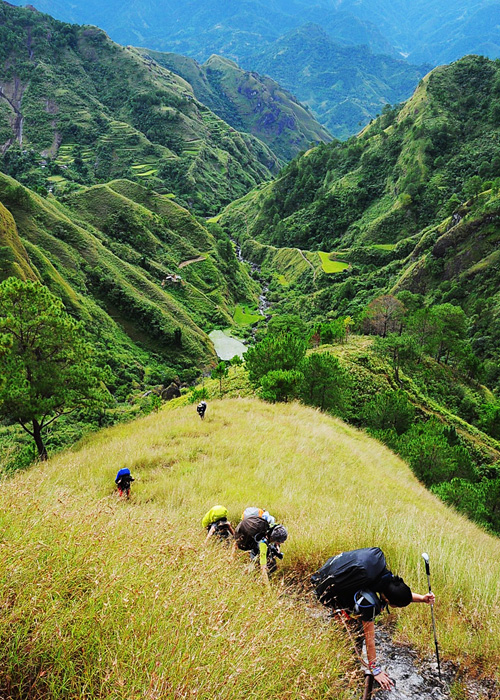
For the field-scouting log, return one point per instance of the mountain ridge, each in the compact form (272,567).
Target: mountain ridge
(98,111)
(248,102)
(183,467)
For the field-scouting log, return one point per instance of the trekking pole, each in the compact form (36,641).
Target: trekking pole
(367,695)
(425,557)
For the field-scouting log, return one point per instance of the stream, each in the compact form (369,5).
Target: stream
(264,304)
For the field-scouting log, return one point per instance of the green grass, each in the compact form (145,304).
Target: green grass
(109,599)
(384,246)
(245,315)
(330,266)
(282,280)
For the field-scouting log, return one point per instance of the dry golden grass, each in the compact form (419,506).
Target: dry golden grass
(115,599)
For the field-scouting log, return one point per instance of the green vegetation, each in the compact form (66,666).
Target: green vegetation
(243,316)
(443,424)
(47,367)
(331,265)
(344,86)
(111,254)
(412,203)
(92,619)
(384,246)
(220,372)
(425,151)
(248,102)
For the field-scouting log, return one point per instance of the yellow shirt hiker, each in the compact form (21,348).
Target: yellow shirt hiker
(214,514)
(216,522)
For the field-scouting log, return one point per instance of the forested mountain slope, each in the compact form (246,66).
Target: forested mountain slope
(112,253)
(405,171)
(353,82)
(344,86)
(83,109)
(411,204)
(248,102)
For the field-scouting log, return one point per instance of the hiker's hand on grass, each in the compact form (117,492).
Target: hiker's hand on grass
(429,598)
(384,681)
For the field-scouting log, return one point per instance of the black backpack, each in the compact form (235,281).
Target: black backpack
(343,575)
(250,531)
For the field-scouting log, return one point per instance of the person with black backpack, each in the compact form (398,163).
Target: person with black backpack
(201,409)
(357,585)
(260,536)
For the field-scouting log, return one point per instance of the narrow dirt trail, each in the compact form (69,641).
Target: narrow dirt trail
(415,678)
(190,262)
(314,269)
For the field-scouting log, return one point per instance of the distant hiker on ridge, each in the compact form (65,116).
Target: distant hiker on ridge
(201,408)
(357,585)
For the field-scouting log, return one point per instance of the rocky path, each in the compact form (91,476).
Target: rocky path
(314,269)
(414,679)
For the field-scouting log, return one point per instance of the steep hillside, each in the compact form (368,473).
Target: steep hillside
(248,102)
(343,82)
(344,86)
(83,110)
(114,254)
(408,169)
(410,205)
(13,256)
(110,598)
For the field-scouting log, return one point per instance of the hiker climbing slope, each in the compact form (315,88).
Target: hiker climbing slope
(216,523)
(259,535)
(357,585)
(123,480)
(201,409)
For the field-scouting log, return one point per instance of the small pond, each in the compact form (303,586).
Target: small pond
(226,346)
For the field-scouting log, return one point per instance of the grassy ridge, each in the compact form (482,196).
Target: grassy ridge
(117,599)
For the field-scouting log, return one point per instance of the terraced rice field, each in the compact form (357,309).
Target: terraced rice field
(120,136)
(245,316)
(144,169)
(192,148)
(331,266)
